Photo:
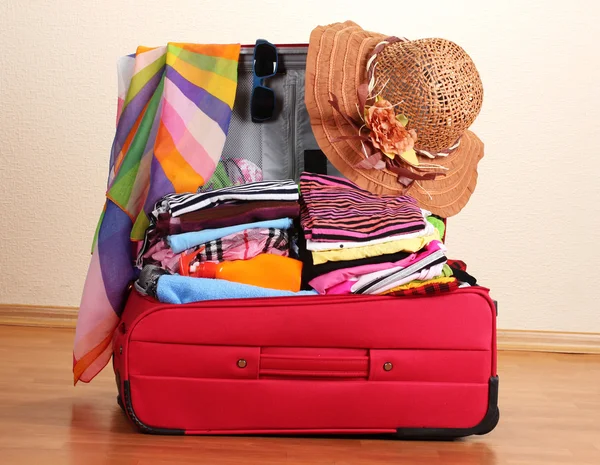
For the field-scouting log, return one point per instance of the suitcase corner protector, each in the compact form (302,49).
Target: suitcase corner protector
(492,416)
(144,428)
(486,425)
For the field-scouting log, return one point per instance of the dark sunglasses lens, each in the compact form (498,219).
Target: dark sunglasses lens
(263,103)
(265,57)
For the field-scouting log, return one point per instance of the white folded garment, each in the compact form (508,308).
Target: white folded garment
(321,246)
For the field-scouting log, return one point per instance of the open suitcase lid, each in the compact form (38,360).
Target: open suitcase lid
(292,56)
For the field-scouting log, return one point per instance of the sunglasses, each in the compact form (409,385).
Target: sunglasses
(265,65)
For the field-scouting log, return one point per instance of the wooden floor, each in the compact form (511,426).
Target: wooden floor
(550,414)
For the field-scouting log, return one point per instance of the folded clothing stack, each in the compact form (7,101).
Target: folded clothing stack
(231,223)
(356,242)
(227,234)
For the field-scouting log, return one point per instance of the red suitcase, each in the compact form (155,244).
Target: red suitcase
(414,367)
(409,366)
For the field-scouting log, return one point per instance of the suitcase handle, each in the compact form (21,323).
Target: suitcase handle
(303,365)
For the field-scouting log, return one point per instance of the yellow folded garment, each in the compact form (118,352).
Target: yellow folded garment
(403,245)
(416,283)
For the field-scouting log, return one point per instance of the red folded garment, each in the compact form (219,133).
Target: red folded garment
(227,215)
(427,289)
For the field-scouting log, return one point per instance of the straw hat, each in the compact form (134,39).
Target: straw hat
(392,115)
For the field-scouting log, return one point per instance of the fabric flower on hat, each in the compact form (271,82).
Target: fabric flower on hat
(387,132)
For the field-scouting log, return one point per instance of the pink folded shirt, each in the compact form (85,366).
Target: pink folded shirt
(428,273)
(346,287)
(241,245)
(323,283)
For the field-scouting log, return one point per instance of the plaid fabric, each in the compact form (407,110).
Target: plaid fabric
(459,270)
(244,245)
(247,243)
(239,246)
(457,265)
(427,289)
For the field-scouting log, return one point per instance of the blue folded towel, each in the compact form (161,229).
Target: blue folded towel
(181,242)
(177,289)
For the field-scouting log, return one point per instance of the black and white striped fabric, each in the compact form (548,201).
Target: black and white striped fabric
(379,283)
(178,204)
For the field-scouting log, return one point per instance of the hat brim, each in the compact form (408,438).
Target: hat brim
(336,65)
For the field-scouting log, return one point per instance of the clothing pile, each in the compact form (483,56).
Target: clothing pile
(336,239)
(237,223)
(232,171)
(356,242)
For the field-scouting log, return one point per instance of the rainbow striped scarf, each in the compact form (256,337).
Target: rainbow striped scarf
(174,109)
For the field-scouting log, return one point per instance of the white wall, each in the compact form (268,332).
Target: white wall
(528,232)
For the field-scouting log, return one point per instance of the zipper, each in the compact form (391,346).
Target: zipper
(294,301)
(292,120)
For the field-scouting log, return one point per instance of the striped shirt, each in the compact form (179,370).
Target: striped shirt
(380,282)
(179,204)
(335,210)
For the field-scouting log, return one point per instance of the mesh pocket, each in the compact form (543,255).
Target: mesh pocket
(271,150)
(244,139)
